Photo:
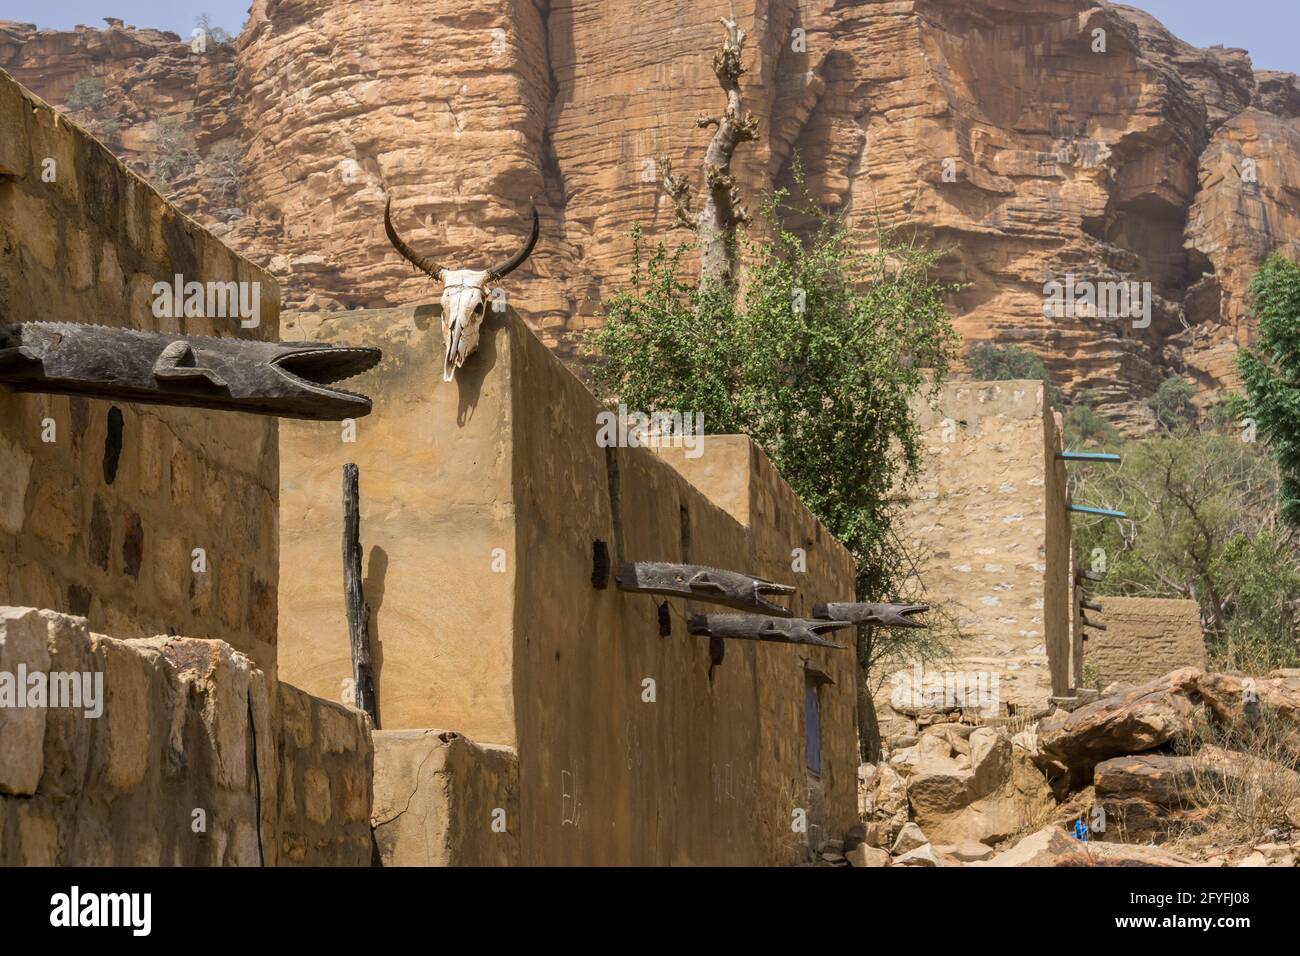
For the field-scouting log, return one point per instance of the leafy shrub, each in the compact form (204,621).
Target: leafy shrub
(1000,363)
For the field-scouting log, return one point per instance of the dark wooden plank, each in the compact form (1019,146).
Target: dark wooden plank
(357,608)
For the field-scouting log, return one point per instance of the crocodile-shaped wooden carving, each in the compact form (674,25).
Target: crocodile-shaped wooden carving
(713,585)
(282,379)
(756,627)
(880,615)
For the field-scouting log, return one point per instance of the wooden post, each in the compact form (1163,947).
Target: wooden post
(358,609)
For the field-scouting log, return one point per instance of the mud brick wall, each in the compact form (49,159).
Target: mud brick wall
(102,504)
(478,567)
(189,763)
(443,800)
(326,762)
(987,519)
(1144,638)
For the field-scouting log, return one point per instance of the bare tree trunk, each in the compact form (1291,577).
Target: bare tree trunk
(869,743)
(715,224)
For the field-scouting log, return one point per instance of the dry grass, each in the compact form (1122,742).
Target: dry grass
(1244,778)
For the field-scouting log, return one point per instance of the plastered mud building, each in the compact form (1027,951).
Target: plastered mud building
(193,558)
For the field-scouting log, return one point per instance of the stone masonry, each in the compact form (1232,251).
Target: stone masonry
(1145,638)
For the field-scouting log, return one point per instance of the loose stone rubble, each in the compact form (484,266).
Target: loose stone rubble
(1137,767)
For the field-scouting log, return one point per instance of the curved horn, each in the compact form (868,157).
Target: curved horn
(503,269)
(427,266)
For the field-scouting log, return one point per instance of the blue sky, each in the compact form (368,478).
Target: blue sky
(175,15)
(1267,28)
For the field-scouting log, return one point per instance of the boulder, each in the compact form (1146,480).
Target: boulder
(1052,846)
(1274,701)
(1134,720)
(867,856)
(921,856)
(965,852)
(1162,779)
(909,838)
(1000,793)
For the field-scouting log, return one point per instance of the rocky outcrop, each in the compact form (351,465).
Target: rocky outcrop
(1205,760)
(1137,719)
(1273,703)
(1039,140)
(164,105)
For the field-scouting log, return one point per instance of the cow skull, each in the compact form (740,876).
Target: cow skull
(464,293)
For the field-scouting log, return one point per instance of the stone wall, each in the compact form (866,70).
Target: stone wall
(1145,638)
(443,800)
(180,762)
(479,545)
(326,764)
(987,518)
(103,504)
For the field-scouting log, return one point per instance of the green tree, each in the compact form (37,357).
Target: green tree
(1270,372)
(817,363)
(1083,426)
(87,93)
(1172,403)
(1202,524)
(175,157)
(1000,363)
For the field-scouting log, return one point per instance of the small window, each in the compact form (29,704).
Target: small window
(812,727)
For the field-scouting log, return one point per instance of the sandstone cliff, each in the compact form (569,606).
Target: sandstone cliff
(1035,139)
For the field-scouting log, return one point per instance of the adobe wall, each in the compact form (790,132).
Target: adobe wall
(443,800)
(1061,623)
(988,519)
(506,458)
(101,521)
(1144,638)
(436,502)
(190,761)
(324,777)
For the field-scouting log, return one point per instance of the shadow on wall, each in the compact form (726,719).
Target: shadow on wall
(469,378)
(373,588)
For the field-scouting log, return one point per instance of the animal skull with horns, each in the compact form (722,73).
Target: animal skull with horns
(464,293)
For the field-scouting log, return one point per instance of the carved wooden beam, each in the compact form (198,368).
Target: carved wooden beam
(881,615)
(755,627)
(728,588)
(281,379)
(1092,624)
(1090,605)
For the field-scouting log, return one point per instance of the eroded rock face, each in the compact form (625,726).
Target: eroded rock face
(1037,140)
